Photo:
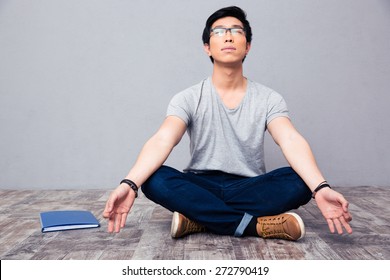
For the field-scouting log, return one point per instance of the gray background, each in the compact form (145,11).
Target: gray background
(83,84)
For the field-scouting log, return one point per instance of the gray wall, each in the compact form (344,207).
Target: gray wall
(83,84)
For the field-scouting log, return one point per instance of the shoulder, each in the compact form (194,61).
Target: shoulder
(264,92)
(191,93)
(260,87)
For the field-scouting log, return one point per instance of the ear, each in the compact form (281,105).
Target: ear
(206,48)
(248,47)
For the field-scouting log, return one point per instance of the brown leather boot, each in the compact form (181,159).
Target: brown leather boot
(182,226)
(287,226)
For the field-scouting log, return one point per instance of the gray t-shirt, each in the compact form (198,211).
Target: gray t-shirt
(228,140)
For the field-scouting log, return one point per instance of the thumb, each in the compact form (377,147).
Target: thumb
(107,212)
(345,206)
(344,203)
(109,207)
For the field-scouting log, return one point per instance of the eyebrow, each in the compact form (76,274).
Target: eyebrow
(223,26)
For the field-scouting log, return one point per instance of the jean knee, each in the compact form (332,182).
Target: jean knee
(156,184)
(302,191)
(298,187)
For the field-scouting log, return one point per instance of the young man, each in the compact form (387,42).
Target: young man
(225,189)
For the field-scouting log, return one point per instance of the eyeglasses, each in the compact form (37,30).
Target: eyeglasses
(221,31)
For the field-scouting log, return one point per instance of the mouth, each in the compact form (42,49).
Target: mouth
(228,49)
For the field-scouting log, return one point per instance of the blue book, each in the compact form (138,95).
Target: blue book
(66,220)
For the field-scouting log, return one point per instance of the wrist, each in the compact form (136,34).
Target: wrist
(322,185)
(132,185)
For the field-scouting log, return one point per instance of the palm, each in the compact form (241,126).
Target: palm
(330,209)
(334,208)
(118,206)
(123,204)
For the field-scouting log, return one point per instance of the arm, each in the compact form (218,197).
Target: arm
(154,153)
(333,205)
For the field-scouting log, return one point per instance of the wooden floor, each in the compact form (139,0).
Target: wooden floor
(147,234)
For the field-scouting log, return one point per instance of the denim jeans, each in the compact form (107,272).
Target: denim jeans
(226,203)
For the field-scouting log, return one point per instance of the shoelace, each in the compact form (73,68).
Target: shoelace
(193,227)
(273,227)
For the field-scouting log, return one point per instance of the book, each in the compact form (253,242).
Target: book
(67,220)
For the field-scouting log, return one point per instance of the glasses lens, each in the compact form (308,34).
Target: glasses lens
(237,31)
(218,31)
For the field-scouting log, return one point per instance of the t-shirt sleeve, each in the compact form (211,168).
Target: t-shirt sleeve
(277,107)
(179,107)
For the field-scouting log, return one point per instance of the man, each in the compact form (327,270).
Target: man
(225,189)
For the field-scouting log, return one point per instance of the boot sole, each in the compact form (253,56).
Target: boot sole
(175,224)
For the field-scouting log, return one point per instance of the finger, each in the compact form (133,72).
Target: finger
(111,220)
(345,205)
(338,226)
(330,225)
(347,216)
(346,225)
(117,222)
(123,220)
(109,206)
(107,210)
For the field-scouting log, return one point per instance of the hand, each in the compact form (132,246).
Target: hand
(118,207)
(334,207)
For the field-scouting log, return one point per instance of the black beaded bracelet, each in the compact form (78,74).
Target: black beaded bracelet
(321,186)
(132,185)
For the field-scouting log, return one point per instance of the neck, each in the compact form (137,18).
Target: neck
(228,78)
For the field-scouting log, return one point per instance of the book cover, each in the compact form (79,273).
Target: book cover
(66,220)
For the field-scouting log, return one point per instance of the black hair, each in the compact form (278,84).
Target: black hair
(231,11)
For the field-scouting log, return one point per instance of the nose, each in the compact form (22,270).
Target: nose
(228,36)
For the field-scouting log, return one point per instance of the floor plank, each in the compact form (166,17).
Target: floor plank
(147,232)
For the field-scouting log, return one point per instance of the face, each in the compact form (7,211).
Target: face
(227,46)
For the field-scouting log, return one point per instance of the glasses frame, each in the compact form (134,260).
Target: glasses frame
(226,30)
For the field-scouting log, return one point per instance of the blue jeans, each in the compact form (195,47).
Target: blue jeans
(225,203)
